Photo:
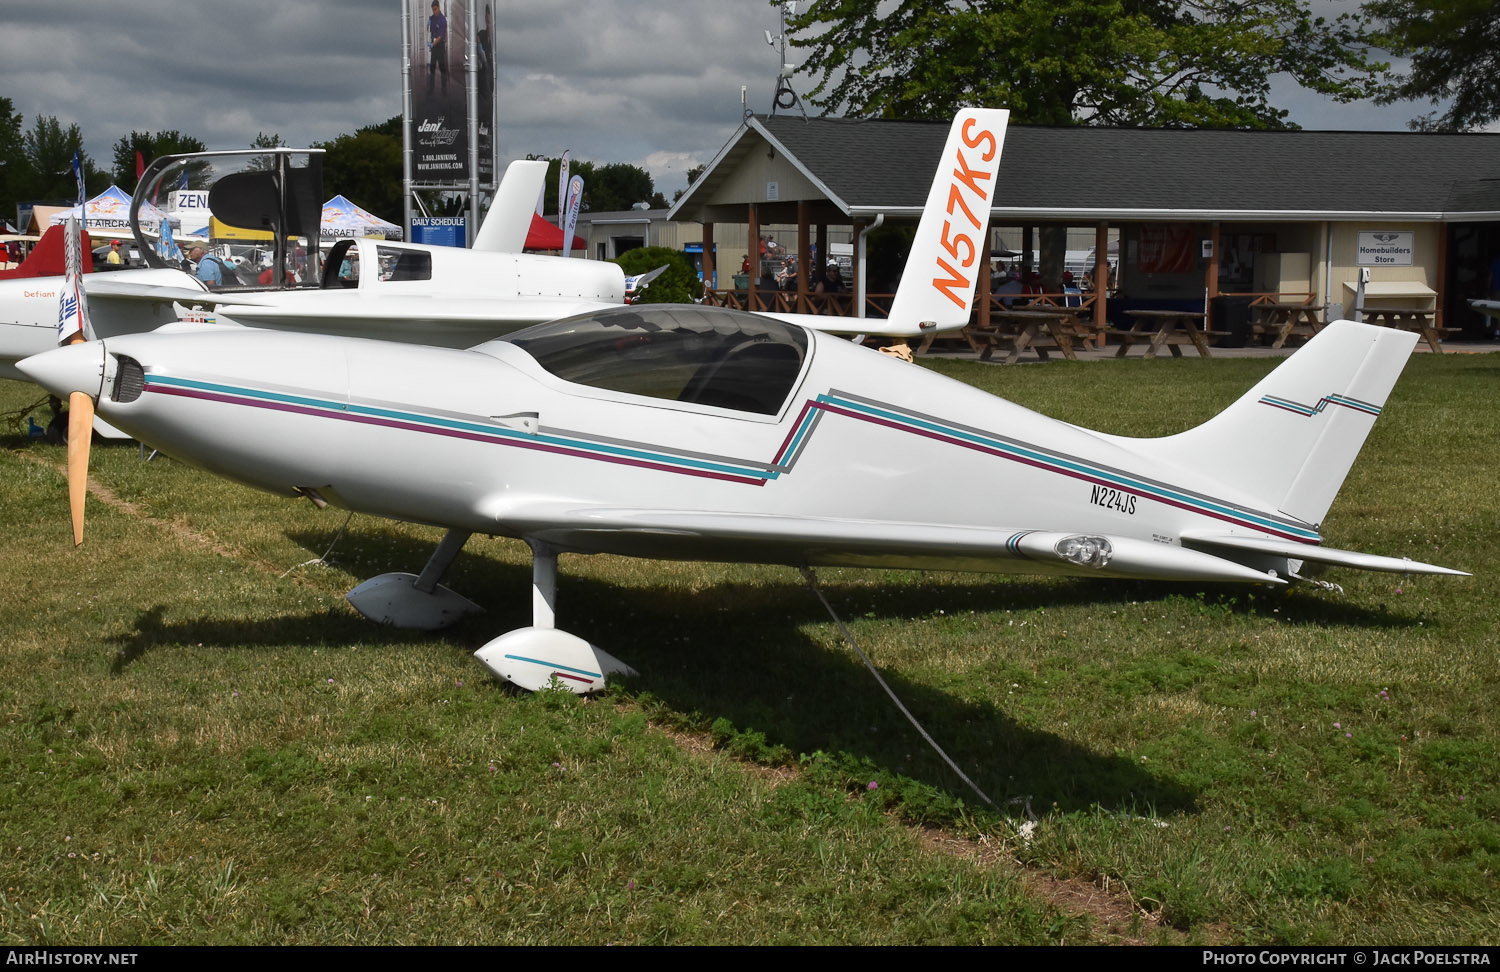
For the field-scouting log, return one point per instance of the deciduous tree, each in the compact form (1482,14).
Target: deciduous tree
(1454,46)
(49,149)
(14,174)
(150,145)
(366,168)
(1164,63)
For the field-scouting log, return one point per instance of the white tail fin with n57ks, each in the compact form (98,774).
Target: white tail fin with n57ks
(942,269)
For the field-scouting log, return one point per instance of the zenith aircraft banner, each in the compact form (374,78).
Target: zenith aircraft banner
(442,34)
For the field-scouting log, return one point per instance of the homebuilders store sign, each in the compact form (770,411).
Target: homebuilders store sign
(1385,249)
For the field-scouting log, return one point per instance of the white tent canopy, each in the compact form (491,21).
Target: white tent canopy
(109,214)
(342,220)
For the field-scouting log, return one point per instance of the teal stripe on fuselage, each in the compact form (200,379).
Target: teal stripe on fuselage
(459,425)
(1114,478)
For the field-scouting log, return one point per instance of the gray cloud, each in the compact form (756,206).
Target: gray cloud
(652,83)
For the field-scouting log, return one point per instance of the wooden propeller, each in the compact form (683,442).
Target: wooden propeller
(80,435)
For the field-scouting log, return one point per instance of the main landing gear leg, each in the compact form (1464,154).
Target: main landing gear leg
(541,655)
(411,601)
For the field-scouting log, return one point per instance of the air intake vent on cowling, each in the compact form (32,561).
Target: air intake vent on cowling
(130,380)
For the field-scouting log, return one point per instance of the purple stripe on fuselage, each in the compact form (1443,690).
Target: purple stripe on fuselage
(988,450)
(450,433)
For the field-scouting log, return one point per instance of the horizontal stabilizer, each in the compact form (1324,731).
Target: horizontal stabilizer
(873,326)
(164,292)
(1315,554)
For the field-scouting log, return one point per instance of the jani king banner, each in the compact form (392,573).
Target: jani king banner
(442,33)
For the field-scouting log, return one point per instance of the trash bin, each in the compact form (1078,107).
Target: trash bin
(1230,315)
(742,281)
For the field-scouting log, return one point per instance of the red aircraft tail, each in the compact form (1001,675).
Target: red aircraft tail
(49,257)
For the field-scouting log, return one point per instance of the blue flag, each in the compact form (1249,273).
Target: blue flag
(78,178)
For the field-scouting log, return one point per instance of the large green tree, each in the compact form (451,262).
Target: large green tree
(13,172)
(366,168)
(48,151)
(610,187)
(1163,63)
(1454,47)
(150,145)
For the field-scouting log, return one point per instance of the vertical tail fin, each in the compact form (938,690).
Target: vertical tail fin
(1291,439)
(937,287)
(509,220)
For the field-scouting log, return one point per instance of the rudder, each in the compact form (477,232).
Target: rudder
(1290,441)
(937,286)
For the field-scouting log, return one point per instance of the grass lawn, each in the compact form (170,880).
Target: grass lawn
(202,743)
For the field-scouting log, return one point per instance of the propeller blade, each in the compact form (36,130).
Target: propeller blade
(80,434)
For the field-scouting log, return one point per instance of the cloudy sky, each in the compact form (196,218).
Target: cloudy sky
(652,82)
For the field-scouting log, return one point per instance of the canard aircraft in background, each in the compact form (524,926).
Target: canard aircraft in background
(695,433)
(268,203)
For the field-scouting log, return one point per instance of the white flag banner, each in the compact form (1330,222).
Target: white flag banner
(72,309)
(575,199)
(562,185)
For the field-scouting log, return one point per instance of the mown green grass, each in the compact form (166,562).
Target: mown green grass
(201,750)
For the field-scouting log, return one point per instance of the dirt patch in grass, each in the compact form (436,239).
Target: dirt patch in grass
(1115,915)
(175,528)
(1113,912)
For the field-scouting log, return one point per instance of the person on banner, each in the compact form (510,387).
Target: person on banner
(437,47)
(486,40)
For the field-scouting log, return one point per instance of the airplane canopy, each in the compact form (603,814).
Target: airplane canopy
(682,353)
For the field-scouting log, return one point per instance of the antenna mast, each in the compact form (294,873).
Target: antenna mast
(786,97)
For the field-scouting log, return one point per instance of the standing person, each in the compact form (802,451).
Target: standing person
(114,259)
(437,47)
(831,282)
(833,279)
(209,269)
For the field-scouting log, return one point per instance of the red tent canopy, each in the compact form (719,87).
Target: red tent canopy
(48,258)
(544,236)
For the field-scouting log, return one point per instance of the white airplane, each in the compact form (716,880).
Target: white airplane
(409,292)
(693,433)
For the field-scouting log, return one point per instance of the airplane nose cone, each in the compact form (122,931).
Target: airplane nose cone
(72,368)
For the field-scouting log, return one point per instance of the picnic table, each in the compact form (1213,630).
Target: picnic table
(1159,329)
(1015,331)
(1422,320)
(1286,320)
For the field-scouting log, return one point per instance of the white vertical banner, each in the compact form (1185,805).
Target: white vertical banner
(562,185)
(72,309)
(575,199)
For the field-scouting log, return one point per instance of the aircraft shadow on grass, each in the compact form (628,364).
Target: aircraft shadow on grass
(796,692)
(739,651)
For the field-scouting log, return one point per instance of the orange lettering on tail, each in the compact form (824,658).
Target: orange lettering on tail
(955,280)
